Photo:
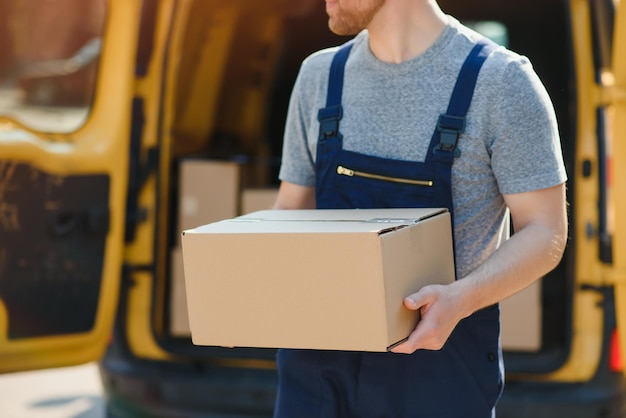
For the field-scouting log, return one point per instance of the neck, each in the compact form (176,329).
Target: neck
(404,29)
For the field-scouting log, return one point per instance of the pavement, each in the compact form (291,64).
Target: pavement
(69,392)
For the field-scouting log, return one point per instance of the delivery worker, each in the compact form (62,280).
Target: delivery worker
(442,118)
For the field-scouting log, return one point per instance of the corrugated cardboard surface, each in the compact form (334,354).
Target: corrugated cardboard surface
(325,279)
(253,200)
(179,320)
(208,192)
(422,249)
(520,318)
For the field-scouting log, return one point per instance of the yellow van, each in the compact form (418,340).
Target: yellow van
(123,121)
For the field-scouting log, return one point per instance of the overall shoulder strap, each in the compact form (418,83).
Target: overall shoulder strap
(452,123)
(330,115)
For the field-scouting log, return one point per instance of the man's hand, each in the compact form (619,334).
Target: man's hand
(439,314)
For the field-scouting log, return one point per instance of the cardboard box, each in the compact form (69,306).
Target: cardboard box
(520,319)
(208,192)
(253,200)
(319,279)
(179,319)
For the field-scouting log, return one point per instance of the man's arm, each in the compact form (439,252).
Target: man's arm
(294,196)
(540,223)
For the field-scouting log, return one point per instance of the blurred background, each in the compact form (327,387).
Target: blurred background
(48,58)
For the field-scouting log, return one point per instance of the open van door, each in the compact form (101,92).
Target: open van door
(64,181)
(618,177)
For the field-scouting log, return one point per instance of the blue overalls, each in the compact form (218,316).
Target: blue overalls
(463,379)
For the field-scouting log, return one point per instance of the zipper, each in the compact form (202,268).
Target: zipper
(352,173)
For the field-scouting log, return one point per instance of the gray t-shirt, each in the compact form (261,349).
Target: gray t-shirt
(510,145)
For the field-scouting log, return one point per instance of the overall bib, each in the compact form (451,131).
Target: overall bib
(463,379)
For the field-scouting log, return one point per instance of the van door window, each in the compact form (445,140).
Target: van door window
(50,51)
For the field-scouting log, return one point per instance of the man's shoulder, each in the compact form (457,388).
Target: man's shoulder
(321,60)
(505,68)
(501,59)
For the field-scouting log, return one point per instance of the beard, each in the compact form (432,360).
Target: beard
(351,22)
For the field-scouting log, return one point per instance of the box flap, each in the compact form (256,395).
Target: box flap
(319,221)
(346,214)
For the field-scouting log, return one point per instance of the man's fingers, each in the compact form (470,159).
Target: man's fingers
(430,332)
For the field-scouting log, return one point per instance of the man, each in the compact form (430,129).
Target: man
(419,97)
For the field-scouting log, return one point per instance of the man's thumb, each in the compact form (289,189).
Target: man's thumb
(411,302)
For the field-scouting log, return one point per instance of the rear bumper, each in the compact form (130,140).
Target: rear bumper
(149,389)
(137,389)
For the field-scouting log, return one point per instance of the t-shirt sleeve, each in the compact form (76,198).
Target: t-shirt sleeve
(297,164)
(526,150)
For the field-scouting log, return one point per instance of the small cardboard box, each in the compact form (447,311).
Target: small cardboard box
(317,279)
(520,319)
(253,200)
(209,192)
(179,321)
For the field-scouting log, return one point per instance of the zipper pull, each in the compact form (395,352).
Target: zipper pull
(345,171)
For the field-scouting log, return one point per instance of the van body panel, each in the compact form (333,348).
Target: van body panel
(65,237)
(617,177)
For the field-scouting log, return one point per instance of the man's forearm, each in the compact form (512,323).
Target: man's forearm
(525,257)
(540,221)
